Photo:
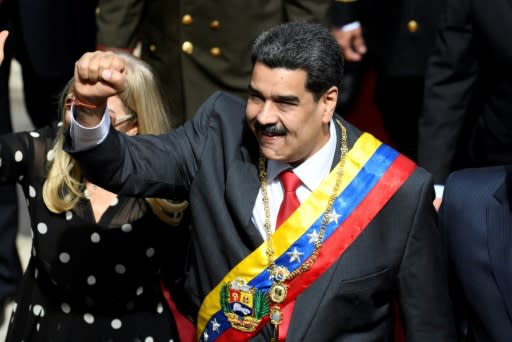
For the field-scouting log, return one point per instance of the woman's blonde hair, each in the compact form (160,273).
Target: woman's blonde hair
(64,186)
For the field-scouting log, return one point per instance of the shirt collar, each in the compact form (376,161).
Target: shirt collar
(313,170)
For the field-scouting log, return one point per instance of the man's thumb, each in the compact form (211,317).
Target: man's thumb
(114,78)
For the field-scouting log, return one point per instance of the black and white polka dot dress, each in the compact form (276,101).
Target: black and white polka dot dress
(85,281)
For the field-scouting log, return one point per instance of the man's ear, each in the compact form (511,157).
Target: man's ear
(328,101)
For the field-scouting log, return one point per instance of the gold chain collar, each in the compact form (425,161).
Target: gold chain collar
(278,291)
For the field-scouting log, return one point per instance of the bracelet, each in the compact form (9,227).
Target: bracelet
(81,103)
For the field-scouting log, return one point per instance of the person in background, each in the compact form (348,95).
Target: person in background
(3,37)
(466,119)
(197,47)
(395,38)
(46,53)
(303,227)
(97,259)
(10,265)
(475,219)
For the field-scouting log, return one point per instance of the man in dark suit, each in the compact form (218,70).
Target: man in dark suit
(395,37)
(197,47)
(362,232)
(46,38)
(466,119)
(476,221)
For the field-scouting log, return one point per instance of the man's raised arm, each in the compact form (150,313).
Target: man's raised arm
(98,75)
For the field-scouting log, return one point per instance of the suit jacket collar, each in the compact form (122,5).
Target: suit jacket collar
(303,313)
(242,186)
(499,228)
(242,182)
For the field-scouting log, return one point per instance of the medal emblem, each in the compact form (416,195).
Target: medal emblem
(279,273)
(243,305)
(276,315)
(278,293)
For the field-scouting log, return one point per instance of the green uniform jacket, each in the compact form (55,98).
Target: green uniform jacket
(197,46)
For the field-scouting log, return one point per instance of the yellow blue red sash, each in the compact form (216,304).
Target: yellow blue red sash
(373,172)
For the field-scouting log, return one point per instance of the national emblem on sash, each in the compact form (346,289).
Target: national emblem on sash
(243,305)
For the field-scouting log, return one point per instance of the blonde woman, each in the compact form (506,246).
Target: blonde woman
(95,267)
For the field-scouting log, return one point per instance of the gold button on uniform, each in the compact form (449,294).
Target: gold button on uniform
(215,51)
(152,47)
(187,19)
(215,24)
(98,11)
(412,26)
(187,47)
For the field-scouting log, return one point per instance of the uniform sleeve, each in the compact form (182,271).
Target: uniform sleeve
(343,12)
(310,10)
(425,303)
(451,73)
(118,22)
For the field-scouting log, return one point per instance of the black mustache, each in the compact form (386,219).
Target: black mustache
(270,130)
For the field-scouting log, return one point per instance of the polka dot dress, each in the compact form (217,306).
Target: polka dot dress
(86,281)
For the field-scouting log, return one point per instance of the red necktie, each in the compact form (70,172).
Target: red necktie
(290,203)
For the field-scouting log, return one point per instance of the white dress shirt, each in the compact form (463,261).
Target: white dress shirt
(311,173)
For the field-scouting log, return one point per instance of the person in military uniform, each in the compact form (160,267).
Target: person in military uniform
(197,47)
(396,38)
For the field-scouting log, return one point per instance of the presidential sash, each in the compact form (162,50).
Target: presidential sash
(238,307)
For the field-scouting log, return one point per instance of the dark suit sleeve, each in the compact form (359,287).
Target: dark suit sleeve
(343,12)
(427,313)
(446,219)
(450,76)
(149,166)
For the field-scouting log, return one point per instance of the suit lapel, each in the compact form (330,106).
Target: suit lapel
(307,305)
(242,186)
(303,314)
(499,229)
(243,183)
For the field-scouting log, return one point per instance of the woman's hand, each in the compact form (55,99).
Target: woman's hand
(3,38)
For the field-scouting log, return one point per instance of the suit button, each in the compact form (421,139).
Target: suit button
(412,26)
(215,24)
(187,19)
(187,47)
(215,51)
(152,47)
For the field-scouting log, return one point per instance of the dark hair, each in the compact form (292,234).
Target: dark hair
(302,45)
